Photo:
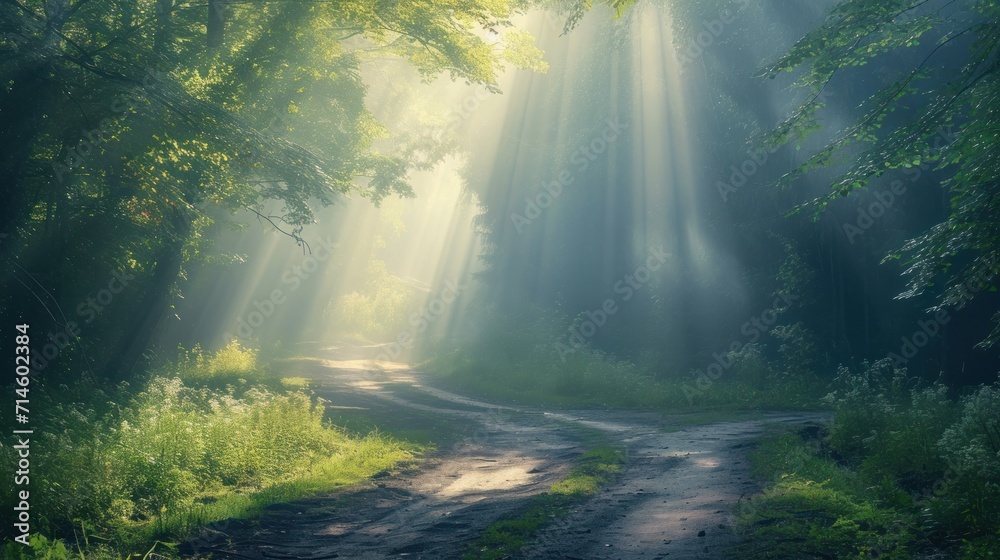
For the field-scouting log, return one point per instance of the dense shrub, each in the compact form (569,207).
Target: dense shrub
(232,367)
(890,424)
(904,469)
(968,496)
(751,367)
(378,310)
(797,350)
(179,449)
(519,357)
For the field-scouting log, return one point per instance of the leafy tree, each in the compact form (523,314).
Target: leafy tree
(948,56)
(130,129)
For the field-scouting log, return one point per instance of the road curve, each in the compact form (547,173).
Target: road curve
(673,500)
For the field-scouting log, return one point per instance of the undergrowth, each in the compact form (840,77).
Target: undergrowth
(209,438)
(905,471)
(514,358)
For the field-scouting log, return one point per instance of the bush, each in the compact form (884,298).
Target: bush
(232,367)
(750,367)
(973,443)
(797,350)
(515,357)
(912,450)
(178,451)
(376,312)
(889,424)
(177,441)
(816,508)
(968,498)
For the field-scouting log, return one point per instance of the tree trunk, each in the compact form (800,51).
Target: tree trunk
(216,23)
(154,304)
(23,103)
(163,37)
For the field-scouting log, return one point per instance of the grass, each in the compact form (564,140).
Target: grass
(816,508)
(211,437)
(536,376)
(507,359)
(359,461)
(592,471)
(904,472)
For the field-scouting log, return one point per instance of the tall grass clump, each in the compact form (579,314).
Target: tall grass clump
(815,508)
(528,357)
(889,423)
(904,471)
(514,357)
(202,441)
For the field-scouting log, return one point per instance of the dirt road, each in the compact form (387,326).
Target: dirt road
(673,499)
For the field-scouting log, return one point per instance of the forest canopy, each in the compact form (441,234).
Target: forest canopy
(939,109)
(268,256)
(154,122)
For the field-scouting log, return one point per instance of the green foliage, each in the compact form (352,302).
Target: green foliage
(955,258)
(815,508)
(755,381)
(974,441)
(574,10)
(231,366)
(520,50)
(39,548)
(751,367)
(983,548)
(130,142)
(797,350)
(903,468)
(515,357)
(181,454)
(970,497)
(376,312)
(889,424)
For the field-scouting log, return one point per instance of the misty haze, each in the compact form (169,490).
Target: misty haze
(500,279)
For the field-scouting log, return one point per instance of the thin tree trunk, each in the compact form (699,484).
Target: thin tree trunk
(154,304)
(216,23)
(163,37)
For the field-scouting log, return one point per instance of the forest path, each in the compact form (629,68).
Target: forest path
(673,499)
